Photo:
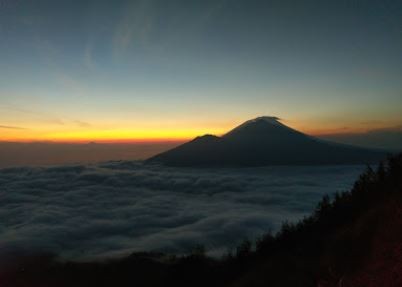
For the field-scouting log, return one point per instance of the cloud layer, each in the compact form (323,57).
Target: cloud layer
(113,208)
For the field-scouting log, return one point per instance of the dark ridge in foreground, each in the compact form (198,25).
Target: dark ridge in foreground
(264,141)
(355,239)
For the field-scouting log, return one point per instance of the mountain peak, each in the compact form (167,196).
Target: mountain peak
(206,138)
(267,119)
(259,126)
(275,121)
(262,141)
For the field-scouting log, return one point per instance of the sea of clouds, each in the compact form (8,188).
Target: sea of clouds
(115,208)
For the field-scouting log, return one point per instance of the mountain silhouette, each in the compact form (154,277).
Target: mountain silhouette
(263,141)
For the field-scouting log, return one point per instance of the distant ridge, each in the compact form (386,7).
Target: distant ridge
(264,141)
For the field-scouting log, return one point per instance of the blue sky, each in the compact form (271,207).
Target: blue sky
(150,69)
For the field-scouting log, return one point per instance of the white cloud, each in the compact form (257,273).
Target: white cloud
(120,207)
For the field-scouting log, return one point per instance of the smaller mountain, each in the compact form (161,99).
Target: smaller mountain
(264,141)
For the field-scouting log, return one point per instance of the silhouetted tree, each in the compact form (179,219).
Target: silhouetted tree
(244,249)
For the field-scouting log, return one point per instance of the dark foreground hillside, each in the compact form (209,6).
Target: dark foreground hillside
(353,240)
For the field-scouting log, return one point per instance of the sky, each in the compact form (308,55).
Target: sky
(79,71)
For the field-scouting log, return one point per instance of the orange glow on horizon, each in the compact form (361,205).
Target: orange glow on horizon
(163,134)
(107,136)
(134,137)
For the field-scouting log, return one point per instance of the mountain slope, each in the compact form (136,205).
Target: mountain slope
(263,141)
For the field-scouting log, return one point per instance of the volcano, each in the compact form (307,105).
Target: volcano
(264,141)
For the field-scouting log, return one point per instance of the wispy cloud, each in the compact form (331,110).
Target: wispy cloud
(82,124)
(43,116)
(397,129)
(135,26)
(53,55)
(385,138)
(88,59)
(11,127)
